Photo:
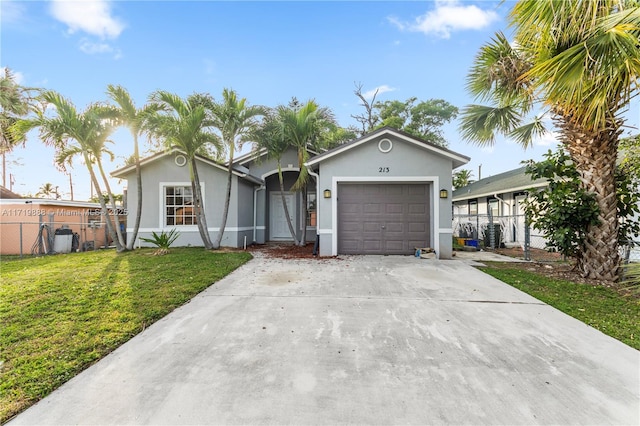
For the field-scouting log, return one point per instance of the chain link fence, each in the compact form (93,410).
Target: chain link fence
(51,237)
(485,231)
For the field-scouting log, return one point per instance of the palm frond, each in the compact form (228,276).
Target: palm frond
(479,123)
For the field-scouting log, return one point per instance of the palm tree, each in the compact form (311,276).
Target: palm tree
(134,119)
(462,178)
(48,190)
(15,101)
(272,138)
(580,60)
(306,127)
(78,134)
(236,121)
(183,123)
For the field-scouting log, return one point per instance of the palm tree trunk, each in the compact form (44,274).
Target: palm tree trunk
(103,204)
(225,212)
(120,243)
(136,225)
(303,224)
(594,155)
(284,205)
(199,208)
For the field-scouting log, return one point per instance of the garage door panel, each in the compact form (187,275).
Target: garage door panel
(371,245)
(394,208)
(372,227)
(397,227)
(415,208)
(417,227)
(390,218)
(371,208)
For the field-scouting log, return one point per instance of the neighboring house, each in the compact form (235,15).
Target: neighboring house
(7,194)
(384,193)
(24,222)
(501,196)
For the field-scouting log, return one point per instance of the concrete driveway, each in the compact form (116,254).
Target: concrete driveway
(366,340)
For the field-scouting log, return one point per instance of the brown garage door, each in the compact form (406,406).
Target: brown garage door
(382,218)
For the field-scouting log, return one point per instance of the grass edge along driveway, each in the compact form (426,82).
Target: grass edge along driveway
(60,314)
(612,311)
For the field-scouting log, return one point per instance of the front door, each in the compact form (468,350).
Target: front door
(278,227)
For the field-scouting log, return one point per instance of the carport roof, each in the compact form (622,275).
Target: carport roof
(458,159)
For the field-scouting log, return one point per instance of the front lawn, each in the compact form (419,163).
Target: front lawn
(613,312)
(60,314)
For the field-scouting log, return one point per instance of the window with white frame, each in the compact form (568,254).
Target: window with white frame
(494,207)
(178,206)
(473,207)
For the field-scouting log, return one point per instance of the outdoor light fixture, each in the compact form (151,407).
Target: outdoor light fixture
(444,193)
(327,193)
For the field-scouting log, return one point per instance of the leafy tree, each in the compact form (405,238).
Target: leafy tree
(236,121)
(370,118)
(134,119)
(580,62)
(83,134)
(630,154)
(462,178)
(48,190)
(422,119)
(184,123)
(563,211)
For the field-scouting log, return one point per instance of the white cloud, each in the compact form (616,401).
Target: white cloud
(447,17)
(547,139)
(369,94)
(92,48)
(90,16)
(18,77)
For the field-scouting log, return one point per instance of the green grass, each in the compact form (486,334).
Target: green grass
(613,312)
(60,314)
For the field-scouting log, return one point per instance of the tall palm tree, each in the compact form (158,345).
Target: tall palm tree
(48,190)
(304,128)
(580,61)
(272,138)
(184,123)
(462,178)
(134,119)
(236,121)
(82,134)
(15,101)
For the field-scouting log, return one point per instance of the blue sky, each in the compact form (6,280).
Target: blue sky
(266,51)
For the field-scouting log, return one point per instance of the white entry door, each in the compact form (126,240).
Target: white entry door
(278,228)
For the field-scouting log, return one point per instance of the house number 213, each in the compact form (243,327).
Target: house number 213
(383,170)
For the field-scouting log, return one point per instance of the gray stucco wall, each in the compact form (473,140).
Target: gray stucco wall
(164,172)
(404,163)
(266,168)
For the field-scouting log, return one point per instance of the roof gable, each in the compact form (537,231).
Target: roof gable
(457,159)
(239,171)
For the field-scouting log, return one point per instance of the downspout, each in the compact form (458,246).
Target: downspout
(255,211)
(503,202)
(317,178)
